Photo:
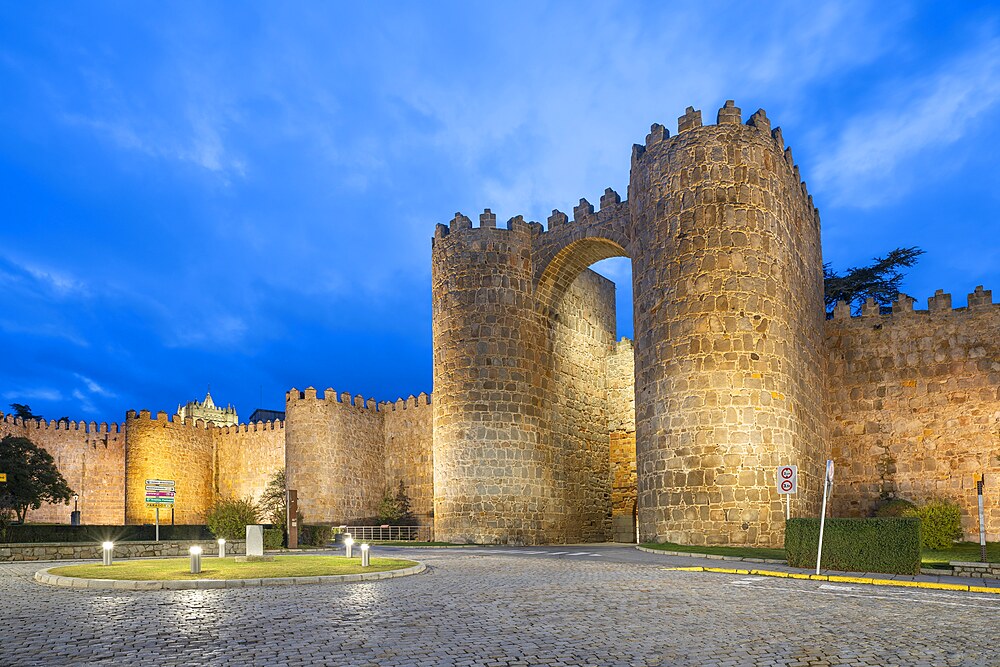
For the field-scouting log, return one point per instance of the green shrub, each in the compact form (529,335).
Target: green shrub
(274,538)
(940,524)
(229,518)
(315,536)
(889,545)
(897,507)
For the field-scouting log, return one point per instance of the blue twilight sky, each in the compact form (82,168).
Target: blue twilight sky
(243,194)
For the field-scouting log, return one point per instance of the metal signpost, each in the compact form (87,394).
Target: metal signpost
(980,483)
(159,493)
(827,485)
(787,480)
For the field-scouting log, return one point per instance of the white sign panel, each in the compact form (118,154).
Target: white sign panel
(159,492)
(787,479)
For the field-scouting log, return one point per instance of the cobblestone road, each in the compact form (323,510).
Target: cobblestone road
(494,609)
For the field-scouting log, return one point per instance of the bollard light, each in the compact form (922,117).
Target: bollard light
(195,559)
(348,545)
(222,547)
(109,550)
(364,555)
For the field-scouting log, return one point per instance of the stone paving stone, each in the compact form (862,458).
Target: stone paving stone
(499,610)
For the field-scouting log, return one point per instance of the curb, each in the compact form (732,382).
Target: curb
(691,554)
(45,577)
(841,579)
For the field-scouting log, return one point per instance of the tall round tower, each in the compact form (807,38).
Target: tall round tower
(728,310)
(493,461)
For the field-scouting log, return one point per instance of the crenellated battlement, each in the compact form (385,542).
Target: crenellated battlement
(254,427)
(53,425)
(461,224)
(413,402)
(331,396)
(979,300)
(728,114)
(176,421)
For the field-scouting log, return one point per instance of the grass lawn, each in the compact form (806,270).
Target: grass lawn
(963,551)
(407,543)
(227,568)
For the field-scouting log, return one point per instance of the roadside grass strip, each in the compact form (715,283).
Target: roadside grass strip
(870,581)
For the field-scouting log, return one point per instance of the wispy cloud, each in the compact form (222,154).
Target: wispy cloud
(84,402)
(198,141)
(873,162)
(93,387)
(25,275)
(37,393)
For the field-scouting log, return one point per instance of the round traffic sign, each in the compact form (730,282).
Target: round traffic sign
(786,472)
(786,485)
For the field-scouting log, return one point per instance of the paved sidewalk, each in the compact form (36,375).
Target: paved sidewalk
(717,562)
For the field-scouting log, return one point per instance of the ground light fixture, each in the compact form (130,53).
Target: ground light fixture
(195,552)
(349,545)
(364,555)
(109,550)
(222,547)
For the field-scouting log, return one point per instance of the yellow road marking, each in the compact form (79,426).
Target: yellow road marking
(871,581)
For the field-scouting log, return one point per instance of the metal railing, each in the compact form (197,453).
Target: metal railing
(390,533)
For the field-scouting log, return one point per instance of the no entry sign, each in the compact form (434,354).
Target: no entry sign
(787,479)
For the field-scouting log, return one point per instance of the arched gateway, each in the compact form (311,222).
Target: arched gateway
(727,282)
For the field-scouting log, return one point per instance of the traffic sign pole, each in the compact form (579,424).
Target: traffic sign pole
(787,484)
(157,523)
(827,483)
(982,518)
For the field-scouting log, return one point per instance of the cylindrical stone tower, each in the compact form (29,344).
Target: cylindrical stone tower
(728,291)
(493,460)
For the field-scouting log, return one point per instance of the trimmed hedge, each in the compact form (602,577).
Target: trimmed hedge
(315,535)
(34,533)
(888,545)
(274,538)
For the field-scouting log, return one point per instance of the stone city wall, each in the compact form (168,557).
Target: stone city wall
(92,459)
(161,448)
(334,455)
(246,457)
(729,305)
(582,335)
(914,404)
(409,452)
(620,367)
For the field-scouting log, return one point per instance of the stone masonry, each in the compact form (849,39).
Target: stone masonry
(544,428)
(727,280)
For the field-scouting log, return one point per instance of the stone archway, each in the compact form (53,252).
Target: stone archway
(727,278)
(591,400)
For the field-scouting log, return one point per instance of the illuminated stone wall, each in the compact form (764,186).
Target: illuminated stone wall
(621,439)
(161,448)
(246,457)
(583,335)
(334,455)
(729,310)
(92,459)
(914,403)
(409,452)
(727,282)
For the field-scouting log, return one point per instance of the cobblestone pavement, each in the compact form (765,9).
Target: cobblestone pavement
(494,609)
